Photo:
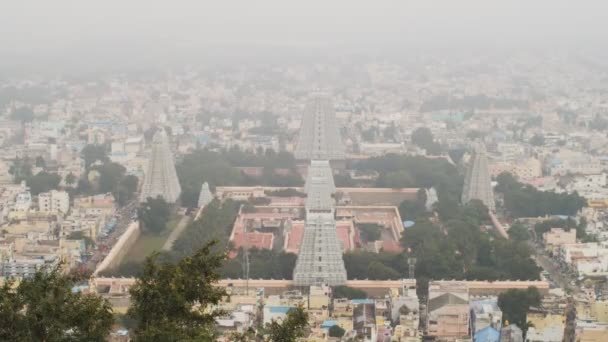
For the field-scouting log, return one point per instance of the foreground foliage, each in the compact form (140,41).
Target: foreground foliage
(170,302)
(292,327)
(44,308)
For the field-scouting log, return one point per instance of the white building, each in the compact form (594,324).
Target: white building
(54,201)
(485,313)
(23,201)
(523,169)
(586,258)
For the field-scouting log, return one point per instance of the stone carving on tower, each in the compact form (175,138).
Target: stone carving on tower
(160,178)
(319,137)
(320,258)
(477,180)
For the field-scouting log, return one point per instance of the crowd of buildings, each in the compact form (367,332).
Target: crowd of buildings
(546,133)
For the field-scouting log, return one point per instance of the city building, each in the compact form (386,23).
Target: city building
(485,313)
(54,201)
(448,314)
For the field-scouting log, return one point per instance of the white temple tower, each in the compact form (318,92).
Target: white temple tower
(320,258)
(205,197)
(477,180)
(319,137)
(160,178)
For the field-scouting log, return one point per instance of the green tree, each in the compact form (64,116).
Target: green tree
(173,302)
(70,179)
(379,271)
(515,304)
(263,264)
(110,175)
(44,308)
(40,162)
(78,235)
(127,188)
(92,153)
(526,201)
(215,224)
(506,182)
(336,331)
(422,137)
(537,140)
(475,134)
(292,327)
(43,182)
(518,232)
(370,231)
(348,292)
(154,214)
(21,169)
(125,269)
(23,114)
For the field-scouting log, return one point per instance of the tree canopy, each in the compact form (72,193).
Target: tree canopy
(154,214)
(398,171)
(173,301)
(348,292)
(263,264)
(44,308)
(24,114)
(526,201)
(113,178)
(423,138)
(92,153)
(336,331)
(43,182)
(218,168)
(292,327)
(518,232)
(370,231)
(515,304)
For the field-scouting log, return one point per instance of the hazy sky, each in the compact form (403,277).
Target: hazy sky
(31,28)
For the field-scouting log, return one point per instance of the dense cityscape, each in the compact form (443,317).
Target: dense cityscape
(417,197)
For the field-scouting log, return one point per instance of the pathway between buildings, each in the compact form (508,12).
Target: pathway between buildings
(181,225)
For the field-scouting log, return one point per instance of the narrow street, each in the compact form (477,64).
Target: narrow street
(103,246)
(555,273)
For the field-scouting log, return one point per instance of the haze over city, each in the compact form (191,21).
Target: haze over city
(130,33)
(303,171)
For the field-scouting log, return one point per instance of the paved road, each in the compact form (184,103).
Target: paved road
(176,232)
(123,216)
(557,275)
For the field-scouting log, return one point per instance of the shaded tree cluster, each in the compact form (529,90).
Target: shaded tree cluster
(423,138)
(44,308)
(526,201)
(442,102)
(218,169)
(515,305)
(263,264)
(154,214)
